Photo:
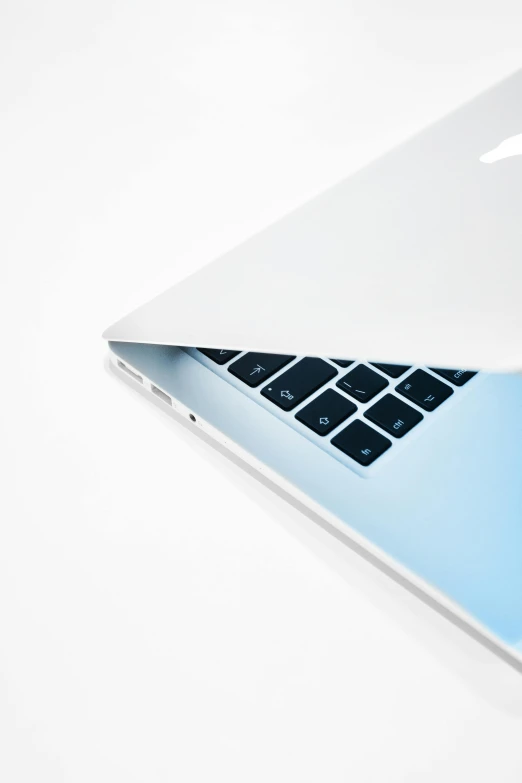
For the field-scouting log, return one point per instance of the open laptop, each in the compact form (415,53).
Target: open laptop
(364,354)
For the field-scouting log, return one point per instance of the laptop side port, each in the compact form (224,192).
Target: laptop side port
(161,394)
(130,372)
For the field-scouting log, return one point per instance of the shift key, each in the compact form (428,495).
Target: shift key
(296,384)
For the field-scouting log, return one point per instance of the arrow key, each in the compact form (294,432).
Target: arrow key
(326,412)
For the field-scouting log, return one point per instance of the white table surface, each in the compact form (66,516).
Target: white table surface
(164,615)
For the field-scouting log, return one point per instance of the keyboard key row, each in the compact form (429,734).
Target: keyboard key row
(329,410)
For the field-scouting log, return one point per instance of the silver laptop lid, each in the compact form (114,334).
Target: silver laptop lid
(415,258)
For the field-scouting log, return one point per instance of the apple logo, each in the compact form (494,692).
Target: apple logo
(507,149)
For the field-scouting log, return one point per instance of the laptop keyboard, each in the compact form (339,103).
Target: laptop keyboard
(354,410)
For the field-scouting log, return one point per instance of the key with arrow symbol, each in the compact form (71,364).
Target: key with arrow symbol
(326,412)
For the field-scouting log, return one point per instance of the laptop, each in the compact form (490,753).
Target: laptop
(364,353)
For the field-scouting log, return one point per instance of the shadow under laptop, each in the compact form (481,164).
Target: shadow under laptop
(483,667)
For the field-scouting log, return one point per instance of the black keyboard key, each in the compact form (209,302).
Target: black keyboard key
(393,370)
(458,377)
(254,368)
(361,442)
(297,383)
(393,415)
(362,383)
(343,362)
(218,355)
(424,390)
(326,412)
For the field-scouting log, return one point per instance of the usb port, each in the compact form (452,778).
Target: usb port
(161,394)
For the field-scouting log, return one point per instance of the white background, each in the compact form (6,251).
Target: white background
(163,615)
